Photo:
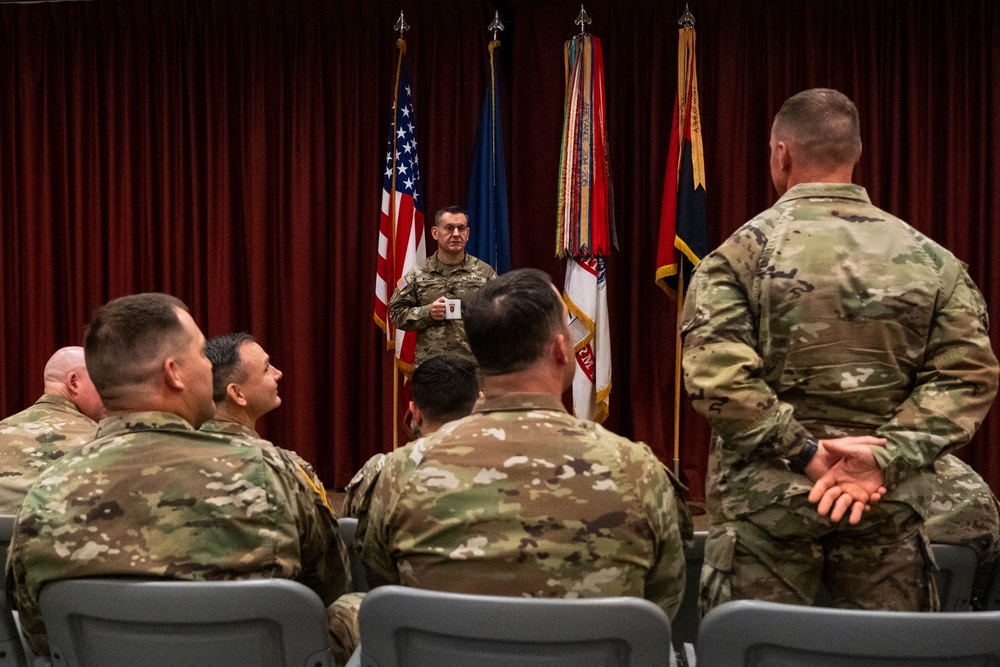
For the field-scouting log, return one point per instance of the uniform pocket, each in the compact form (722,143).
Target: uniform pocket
(717,573)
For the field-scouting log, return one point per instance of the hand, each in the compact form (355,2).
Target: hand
(824,459)
(438,310)
(852,482)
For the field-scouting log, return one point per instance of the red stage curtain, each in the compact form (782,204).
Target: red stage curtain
(230,152)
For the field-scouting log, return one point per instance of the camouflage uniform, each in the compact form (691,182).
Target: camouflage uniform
(824,317)
(150,497)
(964,511)
(410,310)
(520,498)
(32,439)
(358,492)
(245,433)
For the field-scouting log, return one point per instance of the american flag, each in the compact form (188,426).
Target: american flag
(401,242)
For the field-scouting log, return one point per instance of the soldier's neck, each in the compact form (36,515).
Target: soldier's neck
(227,413)
(450,258)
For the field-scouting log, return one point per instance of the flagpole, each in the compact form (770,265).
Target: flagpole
(401,27)
(677,373)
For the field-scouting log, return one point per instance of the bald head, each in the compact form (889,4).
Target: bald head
(66,375)
(65,359)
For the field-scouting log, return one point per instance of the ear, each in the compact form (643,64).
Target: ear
(561,350)
(172,374)
(434,232)
(235,394)
(784,156)
(418,417)
(73,382)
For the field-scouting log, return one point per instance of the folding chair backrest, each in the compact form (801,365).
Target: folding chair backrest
(749,633)
(409,626)
(246,623)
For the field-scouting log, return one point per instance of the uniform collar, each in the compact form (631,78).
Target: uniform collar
(519,401)
(826,191)
(437,265)
(61,401)
(229,428)
(142,421)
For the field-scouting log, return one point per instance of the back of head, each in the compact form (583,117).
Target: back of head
(510,320)
(227,366)
(822,124)
(127,340)
(445,388)
(62,362)
(66,375)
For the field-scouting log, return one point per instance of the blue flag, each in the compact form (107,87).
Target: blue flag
(489,237)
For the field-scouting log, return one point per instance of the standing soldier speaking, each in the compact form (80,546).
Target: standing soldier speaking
(430,297)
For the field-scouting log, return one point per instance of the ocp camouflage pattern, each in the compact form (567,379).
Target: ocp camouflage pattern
(152,498)
(32,439)
(520,498)
(964,511)
(409,307)
(249,435)
(827,316)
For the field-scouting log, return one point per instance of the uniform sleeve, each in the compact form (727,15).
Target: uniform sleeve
(953,390)
(671,524)
(22,596)
(405,309)
(324,557)
(377,538)
(722,366)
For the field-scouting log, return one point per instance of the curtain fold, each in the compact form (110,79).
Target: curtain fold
(230,152)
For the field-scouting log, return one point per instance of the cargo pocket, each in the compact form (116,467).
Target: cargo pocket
(717,572)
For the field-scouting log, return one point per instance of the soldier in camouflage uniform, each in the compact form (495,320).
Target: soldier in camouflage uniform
(64,418)
(245,388)
(521,498)
(964,511)
(151,497)
(444,389)
(836,352)
(418,303)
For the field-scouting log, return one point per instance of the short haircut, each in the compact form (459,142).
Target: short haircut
(227,366)
(445,387)
(454,210)
(510,320)
(823,124)
(128,338)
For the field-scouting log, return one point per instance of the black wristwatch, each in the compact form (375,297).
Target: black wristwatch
(805,455)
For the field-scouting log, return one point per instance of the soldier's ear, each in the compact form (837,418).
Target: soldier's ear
(73,382)
(172,375)
(560,350)
(235,394)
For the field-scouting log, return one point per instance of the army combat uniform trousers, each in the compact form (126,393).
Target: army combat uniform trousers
(783,552)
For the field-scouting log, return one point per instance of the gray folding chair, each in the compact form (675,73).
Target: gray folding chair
(359,582)
(421,628)
(749,633)
(956,572)
(11,651)
(247,623)
(991,602)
